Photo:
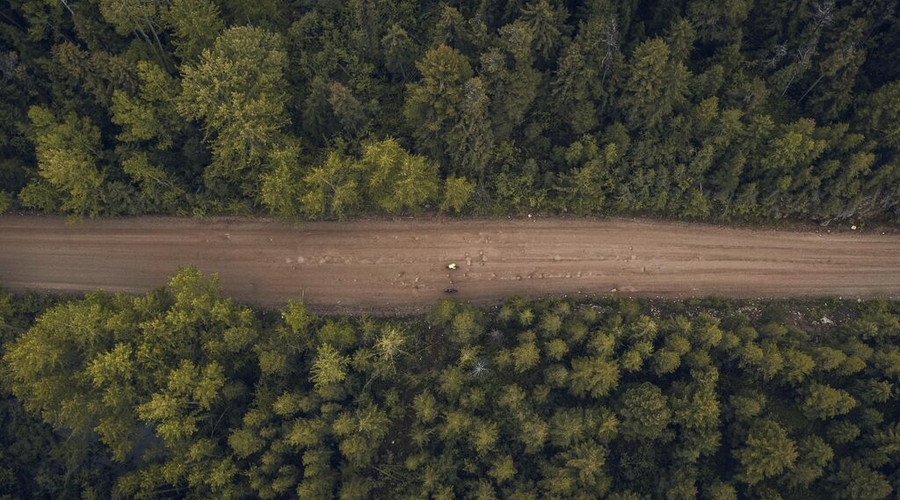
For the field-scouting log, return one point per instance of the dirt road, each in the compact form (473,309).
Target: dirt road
(400,266)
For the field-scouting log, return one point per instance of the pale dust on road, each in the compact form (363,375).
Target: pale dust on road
(400,266)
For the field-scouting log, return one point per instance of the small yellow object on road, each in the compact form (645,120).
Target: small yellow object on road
(452,265)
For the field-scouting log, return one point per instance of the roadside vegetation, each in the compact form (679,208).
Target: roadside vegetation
(700,109)
(182,393)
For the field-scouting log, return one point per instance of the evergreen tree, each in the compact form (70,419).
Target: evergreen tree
(67,154)
(767,452)
(238,89)
(434,104)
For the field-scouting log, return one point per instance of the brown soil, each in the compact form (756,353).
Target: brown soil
(400,266)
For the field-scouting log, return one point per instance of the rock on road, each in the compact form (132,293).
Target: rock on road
(400,266)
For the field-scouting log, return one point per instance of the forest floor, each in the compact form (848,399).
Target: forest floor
(400,266)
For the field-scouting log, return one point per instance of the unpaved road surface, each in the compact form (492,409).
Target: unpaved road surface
(400,266)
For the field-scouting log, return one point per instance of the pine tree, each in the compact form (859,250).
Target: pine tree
(767,452)
(67,153)
(434,104)
(238,89)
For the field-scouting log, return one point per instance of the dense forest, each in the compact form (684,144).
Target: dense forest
(182,393)
(708,109)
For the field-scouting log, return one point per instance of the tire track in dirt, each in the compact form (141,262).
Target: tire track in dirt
(399,266)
